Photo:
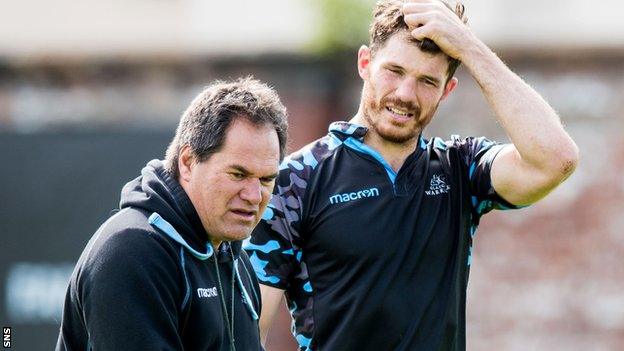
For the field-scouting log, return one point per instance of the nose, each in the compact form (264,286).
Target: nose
(406,91)
(252,191)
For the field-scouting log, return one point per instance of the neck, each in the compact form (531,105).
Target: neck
(394,153)
(215,244)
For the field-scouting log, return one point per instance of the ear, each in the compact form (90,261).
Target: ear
(363,61)
(449,87)
(186,160)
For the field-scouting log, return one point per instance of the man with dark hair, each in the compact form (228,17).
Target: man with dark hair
(167,271)
(369,231)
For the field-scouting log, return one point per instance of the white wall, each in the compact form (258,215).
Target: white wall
(38,28)
(35,28)
(552,24)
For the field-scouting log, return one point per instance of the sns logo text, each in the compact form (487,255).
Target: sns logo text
(6,337)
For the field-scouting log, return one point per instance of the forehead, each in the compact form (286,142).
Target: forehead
(254,146)
(401,50)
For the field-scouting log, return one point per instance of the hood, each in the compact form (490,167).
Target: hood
(156,191)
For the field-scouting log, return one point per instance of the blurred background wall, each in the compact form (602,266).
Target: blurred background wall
(91,90)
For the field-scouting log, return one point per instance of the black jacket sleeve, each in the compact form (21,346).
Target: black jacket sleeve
(128,289)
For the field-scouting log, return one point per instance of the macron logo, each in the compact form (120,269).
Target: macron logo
(346,197)
(210,292)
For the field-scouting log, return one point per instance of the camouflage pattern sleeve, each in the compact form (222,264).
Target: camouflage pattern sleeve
(478,155)
(274,247)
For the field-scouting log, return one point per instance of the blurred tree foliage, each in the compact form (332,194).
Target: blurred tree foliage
(343,26)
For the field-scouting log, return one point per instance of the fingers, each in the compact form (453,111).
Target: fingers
(427,7)
(416,20)
(433,20)
(421,1)
(422,6)
(426,31)
(419,34)
(421,12)
(419,17)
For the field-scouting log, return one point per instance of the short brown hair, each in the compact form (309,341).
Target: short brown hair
(204,124)
(388,20)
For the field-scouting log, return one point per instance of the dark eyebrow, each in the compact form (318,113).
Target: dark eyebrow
(247,172)
(394,66)
(431,78)
(240,169)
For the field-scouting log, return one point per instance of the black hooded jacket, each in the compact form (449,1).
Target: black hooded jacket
(148,280)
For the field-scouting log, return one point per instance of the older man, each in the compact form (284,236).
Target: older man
(167,271)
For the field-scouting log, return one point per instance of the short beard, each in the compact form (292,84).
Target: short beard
(371,107)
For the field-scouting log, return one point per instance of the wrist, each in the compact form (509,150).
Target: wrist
(476,55)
